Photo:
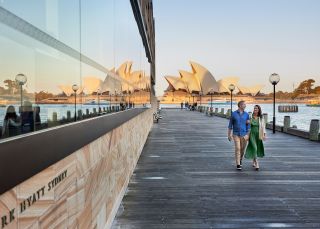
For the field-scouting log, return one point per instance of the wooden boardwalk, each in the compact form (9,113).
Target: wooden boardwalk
(186,178)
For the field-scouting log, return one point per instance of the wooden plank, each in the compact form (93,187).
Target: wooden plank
(186,178)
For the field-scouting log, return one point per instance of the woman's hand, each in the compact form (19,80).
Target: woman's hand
(264,137)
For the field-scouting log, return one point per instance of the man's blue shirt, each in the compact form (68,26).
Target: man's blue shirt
(238,123)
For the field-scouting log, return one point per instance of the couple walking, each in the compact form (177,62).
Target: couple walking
(242,129)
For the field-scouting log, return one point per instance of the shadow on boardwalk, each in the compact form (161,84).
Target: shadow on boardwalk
(186,178)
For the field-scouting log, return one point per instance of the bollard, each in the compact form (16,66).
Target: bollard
(314,130)
(54,117)
(79,115)
(286,123)
(95,111)
(228,113)
(222,111)
(211,111)
(68,116)
(216,110)
(87,113)
(265,116)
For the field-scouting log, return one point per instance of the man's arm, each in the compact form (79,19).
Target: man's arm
(230,127)
(248,126)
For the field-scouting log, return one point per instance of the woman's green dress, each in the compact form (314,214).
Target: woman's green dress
(255,146)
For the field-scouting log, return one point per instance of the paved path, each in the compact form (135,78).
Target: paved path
(186,178)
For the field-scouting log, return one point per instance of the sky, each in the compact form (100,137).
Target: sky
(249,39)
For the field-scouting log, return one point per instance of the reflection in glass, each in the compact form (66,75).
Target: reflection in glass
(45,51)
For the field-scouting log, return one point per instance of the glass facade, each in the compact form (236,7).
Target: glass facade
(63,61)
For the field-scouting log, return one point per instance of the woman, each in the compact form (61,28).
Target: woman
(11,123)
(255,146)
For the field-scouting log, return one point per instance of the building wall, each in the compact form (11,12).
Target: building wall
(90,183)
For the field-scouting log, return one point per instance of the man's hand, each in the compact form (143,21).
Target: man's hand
(230,137)
(246,137)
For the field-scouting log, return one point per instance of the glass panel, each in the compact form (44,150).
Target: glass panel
(41,67)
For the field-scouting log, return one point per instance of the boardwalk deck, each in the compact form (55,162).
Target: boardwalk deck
(186,178)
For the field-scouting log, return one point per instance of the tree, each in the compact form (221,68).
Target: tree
(43,95)
(305,87)
(11,85)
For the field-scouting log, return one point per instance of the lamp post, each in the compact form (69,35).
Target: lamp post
(115,97)
(21,79)
(274,79)
(172,95)
(211,93)
(200,94)
(75,88)
(98,93)
(231,88)
(192,98)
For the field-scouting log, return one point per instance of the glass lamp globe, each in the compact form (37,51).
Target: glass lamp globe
(21,79)
(75,87)
(231,87)
(274,78)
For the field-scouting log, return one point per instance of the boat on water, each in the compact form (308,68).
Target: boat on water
(221,102)
(94,102)
(314,103)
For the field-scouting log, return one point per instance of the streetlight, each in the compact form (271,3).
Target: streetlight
(110,98)
(211,93)
(200,94)
(231,89)
(172,95)
(98,93)
(192,98)
(75,88)
(274,79)
(21,79)
(116,99)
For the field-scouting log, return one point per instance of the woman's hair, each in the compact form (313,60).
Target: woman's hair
(11,113)
(260,111)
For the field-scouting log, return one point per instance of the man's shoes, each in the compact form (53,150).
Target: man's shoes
(239,167)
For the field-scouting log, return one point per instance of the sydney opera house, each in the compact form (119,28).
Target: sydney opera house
(201,83)
(122,81)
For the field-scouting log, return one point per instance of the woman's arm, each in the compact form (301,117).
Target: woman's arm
(13,123)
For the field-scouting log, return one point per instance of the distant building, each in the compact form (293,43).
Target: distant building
(200,80)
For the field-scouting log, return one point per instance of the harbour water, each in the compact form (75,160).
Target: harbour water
(301,119)
(46,110)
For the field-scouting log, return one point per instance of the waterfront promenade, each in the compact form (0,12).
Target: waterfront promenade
(186,178)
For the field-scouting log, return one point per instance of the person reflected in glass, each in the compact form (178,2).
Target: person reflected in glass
(255,146)
(27,117)
(11,123)
(37,119)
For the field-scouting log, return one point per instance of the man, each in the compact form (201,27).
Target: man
(240,124)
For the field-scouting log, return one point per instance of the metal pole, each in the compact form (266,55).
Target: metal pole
(200,99)
(75,106)
(211,100)
(231,101)
(99,102)
(274,109)
(21,107)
